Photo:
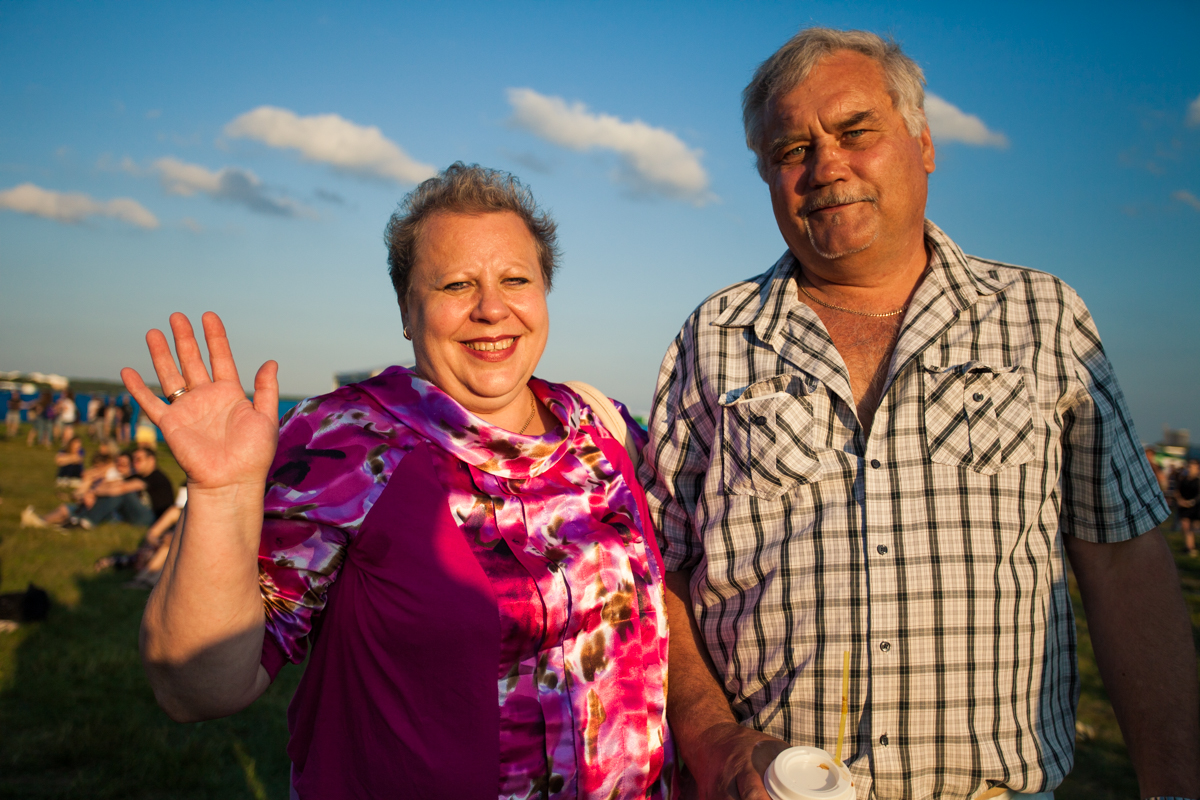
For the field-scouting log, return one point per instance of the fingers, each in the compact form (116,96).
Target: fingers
(750,786)
(219,353)
(164,362)
(266,390)
(150,404)
(188,350)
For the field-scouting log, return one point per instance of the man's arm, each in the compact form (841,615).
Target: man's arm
(1142,637)
(118,488)
(726,759)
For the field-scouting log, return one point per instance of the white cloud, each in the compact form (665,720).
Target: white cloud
(230,184)
(655,159)
(74,207)
(1193,115)
(1187,198)
(333,140)
(950,123)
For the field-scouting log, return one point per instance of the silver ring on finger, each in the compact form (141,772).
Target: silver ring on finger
(175,395)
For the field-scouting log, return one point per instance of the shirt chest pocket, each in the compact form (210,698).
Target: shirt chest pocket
(978,417)
(766,441)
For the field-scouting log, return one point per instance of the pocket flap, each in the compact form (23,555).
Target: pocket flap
(767,438)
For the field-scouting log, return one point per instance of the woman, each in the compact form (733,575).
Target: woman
(468,541)
(69,461)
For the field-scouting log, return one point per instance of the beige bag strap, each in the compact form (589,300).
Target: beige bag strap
(608,414)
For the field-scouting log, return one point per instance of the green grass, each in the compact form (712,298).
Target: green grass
(1102,767)
(77,719)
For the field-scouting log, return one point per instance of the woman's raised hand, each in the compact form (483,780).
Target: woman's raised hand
(220,438)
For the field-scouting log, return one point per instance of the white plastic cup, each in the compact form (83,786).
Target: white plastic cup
(808,773)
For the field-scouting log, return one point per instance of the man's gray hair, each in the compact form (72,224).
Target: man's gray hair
(793,62)
(465,189)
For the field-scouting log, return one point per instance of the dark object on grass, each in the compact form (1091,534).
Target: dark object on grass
(31,605)
(118,559)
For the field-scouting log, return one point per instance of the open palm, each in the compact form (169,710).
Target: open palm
(219,437)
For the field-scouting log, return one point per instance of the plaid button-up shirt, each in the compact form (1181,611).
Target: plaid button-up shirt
(930,550)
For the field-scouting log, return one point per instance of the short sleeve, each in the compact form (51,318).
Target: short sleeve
(1109,492)
(677,458)
(332,462)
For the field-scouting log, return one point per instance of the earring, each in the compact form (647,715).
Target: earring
(407,335)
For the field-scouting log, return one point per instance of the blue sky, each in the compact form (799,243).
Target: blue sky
(245,157)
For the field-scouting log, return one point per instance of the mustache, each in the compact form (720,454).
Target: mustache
(833,199)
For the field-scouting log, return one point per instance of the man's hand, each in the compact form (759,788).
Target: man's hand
(1143,641)
(732,761)
(726,759)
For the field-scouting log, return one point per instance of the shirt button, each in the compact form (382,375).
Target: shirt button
(881,549)
(553,566)
(977,397)
(885,646)
(875,463)
(883,740)
(759,420)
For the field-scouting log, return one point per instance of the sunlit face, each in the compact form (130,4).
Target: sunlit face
(476,308)
(844,173)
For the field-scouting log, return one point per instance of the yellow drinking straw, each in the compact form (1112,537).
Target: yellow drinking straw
(845,702)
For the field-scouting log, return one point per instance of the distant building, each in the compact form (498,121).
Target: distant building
(55,382)
(1176,439)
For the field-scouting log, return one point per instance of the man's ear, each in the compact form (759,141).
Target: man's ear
(927,153)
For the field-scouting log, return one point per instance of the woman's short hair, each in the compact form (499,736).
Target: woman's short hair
(465,189)
(792,63)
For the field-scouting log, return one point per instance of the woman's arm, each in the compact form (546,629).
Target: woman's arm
(202,631)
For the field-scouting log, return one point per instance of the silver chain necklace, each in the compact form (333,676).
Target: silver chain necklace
(809,295)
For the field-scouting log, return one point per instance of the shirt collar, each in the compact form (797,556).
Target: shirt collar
(764,302)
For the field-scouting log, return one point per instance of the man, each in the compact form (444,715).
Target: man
(138,499)
(883,446)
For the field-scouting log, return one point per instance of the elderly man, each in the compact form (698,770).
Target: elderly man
(886,447)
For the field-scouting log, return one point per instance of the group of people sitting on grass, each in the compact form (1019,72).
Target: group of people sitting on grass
(123,486)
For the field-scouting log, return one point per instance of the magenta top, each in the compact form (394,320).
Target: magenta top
(485,609)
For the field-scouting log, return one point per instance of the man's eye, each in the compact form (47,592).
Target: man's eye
(456,286)
(793,153)
(516,281)
(854,134)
